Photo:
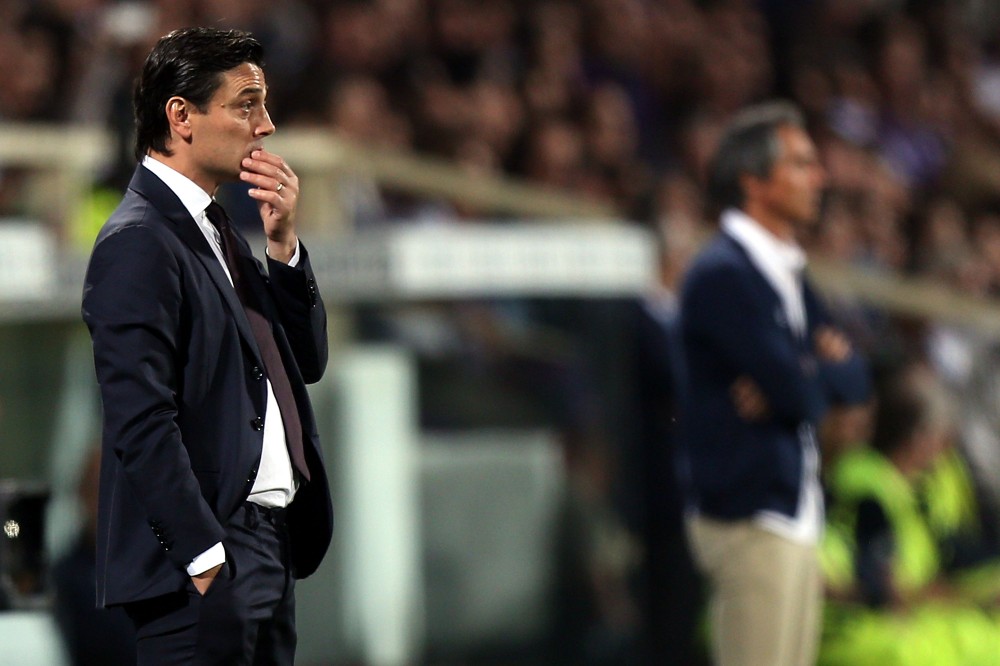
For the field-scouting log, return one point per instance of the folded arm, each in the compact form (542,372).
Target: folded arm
(302,313)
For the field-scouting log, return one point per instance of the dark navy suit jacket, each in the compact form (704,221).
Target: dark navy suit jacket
(184,393)
(733,324)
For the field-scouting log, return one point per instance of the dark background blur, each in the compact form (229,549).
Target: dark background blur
(504,457)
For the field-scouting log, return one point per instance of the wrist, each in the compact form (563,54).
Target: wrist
(282,249)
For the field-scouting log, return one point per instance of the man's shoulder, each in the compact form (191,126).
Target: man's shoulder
(721,255)
(134,212)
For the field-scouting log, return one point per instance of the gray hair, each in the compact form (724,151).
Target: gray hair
(749,146)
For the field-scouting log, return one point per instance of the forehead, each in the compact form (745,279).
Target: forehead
(794,140)
(245,78)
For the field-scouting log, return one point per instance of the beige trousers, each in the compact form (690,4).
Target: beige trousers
(766,597)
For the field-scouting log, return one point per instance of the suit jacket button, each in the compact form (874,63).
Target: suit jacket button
(312,292)
(257,373)
(257,424)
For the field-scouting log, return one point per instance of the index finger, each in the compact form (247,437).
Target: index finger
(262,155)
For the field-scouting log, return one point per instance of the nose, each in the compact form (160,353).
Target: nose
(264,127)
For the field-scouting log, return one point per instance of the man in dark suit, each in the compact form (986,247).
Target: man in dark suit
(669,587)
(763,364)
(213,495)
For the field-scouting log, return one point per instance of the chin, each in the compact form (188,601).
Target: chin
(810,216)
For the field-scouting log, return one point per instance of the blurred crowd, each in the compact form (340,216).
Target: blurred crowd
(615,100)
(619,101)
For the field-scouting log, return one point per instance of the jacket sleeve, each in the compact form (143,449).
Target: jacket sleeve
(721,309)
(844,383)
(132,305)
(303,315)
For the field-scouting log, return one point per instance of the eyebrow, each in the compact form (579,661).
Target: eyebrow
(253,90)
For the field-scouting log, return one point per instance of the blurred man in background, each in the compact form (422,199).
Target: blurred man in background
(92,635)
(763,364)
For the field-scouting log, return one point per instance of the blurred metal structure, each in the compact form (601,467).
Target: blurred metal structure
(472,260)
(320,153)
(66,160)
(489,518)
(376,488)
(30,638)
(914,297)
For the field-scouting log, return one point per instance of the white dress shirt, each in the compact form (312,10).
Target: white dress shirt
(275,484)
(781,263)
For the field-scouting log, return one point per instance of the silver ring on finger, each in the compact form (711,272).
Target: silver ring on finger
(280,187)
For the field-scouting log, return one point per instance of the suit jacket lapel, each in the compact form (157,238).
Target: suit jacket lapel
(776,302)
(146,184)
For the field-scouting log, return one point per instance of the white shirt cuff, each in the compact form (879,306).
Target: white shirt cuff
(294,261)
(212,557)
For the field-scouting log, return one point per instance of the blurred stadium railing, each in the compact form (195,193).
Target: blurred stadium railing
(66,160)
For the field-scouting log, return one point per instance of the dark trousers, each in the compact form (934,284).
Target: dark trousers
(247,616)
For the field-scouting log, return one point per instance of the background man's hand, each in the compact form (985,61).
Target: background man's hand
(831,345)
(750,402)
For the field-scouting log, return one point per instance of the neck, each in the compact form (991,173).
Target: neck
(778,226)
(178,163)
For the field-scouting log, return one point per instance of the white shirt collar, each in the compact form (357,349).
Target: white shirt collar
(763,246)
(195,199)
(779,261)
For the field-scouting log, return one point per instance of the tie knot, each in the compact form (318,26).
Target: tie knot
(217,216)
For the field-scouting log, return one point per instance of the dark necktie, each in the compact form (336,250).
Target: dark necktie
(264,335)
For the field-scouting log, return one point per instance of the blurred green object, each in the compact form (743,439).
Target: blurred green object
(923,631)
(89,216)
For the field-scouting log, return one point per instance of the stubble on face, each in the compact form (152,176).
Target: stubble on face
(233,125)
(794,188)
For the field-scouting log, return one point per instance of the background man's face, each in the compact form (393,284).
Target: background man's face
(794,189)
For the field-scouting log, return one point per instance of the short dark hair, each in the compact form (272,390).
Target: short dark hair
(187,63)
(911,400)
(898,416)
(749,146)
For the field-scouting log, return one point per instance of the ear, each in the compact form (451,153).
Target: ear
(179,112)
